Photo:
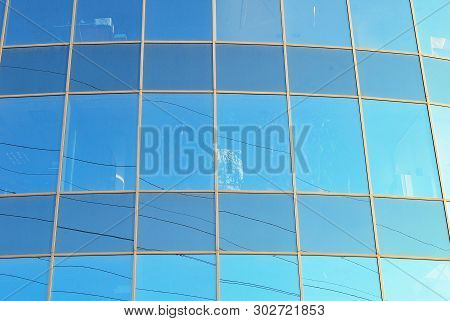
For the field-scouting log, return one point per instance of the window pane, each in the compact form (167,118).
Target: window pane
(394,134)
(2,13)
(95,223)
(317,22)
(253,142)
(92,278)
(108,20)
(257,222)
(416,280)
(441,125)
(178,20)
(251,20)
(176,222)
(176,277)
(412,228)
(33,70)
(259,278)
(340,279)
(335,224)
(434,26)
(390,76)
(250,67)
(327,139)
(177,142)
(178,66)
(383,24)
(101,67)
(437,73)
(30,134)
(38,21)
(24,279)
(100,148)
(26,224)
(325,71)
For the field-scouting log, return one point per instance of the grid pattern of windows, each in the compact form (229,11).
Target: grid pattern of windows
(357,209)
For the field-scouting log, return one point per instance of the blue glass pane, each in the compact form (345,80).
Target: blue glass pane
(250,20)
(416,280)
(434,26)
(24,279)
(92,278)
(95,223)
(390,75)
(437,73)
(177,142)
(257,222)
(101,67)
(2,13)
(335,224)
(26,224)
(327,139)
(412,228)
(395,132)
(340,279)
(324,71)
(176,277)
(100,148)
(441,125)
(176,222)
(38,21)
(250,67)
(259,278)
(317,22)
(383,24)
(30,134)
(33,70)
(178,66)
(178,20)
(253,142)
(108,20)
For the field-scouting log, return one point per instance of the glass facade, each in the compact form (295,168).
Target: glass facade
(224,150)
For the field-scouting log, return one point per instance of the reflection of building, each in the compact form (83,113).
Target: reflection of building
(230,164)
(99,28)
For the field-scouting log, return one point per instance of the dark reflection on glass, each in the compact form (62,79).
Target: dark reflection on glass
(437,72)
(257,222)
(26,224)
(108,20)
(100,148)
(92,278)
(441,125)
(30,131)
(176,277)
(181,221)
(33,70)
(95,223)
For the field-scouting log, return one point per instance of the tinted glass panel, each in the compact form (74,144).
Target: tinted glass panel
(259,278)
(26,224)
(340,279)
(438,77)
(254,68)
(327,139)
(92,278)
(178,20)
(395,132)
(95,223)
(101,67)
(173,222)
(176,277)
(33,70)
(441,125)
(108,20)
(178,66)
(100,149)
(257,222)
(30,131)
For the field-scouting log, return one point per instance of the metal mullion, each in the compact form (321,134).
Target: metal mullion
(434,56)
(394,100)
(5,18)
(34,45)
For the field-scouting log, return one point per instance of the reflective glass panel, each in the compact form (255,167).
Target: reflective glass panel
(437,72)
(395,133)
(100,148)
(2,13)
(441,125)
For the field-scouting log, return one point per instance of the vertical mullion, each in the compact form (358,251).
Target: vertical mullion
(61,152)
(366,154)
(5,17)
